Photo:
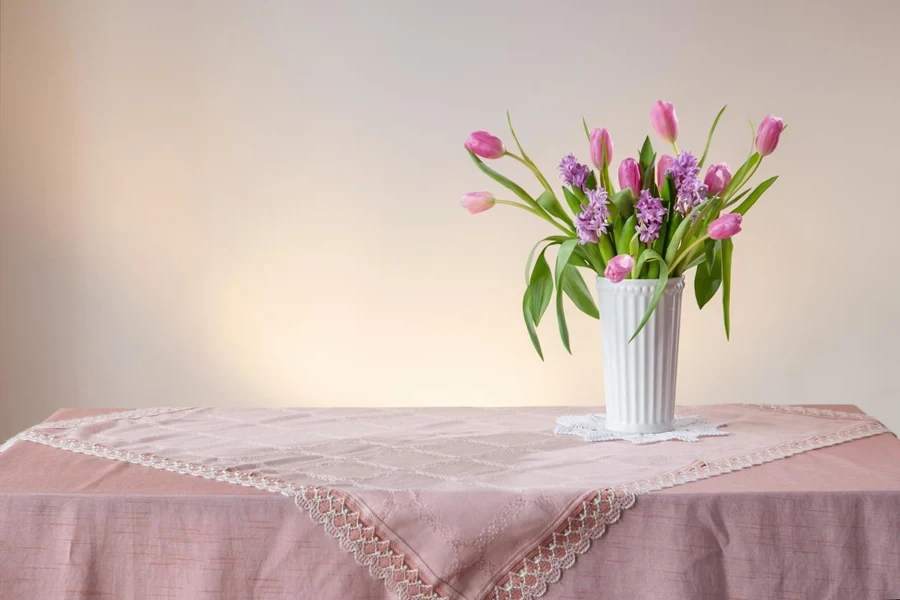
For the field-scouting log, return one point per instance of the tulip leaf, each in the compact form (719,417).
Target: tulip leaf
(548,202)
(606,249)
(587,131)
(709,275)
(738,180)
(623,200)
(562,261)
(649,255)
(712,130)
(727,250)
(507,183)
(624,234)
(573,202)
(591,253)
(554,239)
(672,250)
(516,139)
(753,197)
(591,183)
(529,322)
(649,175)
(647,155)
(541,287)
(577,290)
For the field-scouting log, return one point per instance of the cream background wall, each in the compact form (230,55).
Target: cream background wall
(221,202)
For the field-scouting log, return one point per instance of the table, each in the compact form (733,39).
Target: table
(77,526)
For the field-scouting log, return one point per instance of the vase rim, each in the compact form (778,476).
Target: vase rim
(639,282)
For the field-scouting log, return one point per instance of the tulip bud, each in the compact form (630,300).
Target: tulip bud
(662,167)
(717,179)
(601,147)
(664,121)
(725,226)
(619,267)
(768,134)
(485,145)
(476,202)
(630,176)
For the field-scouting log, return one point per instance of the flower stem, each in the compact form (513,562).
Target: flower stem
(687,252)
(568,232)
(675,147)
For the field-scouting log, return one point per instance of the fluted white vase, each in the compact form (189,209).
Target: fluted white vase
(640,377)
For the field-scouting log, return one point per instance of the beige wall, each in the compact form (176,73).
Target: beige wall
(257,202)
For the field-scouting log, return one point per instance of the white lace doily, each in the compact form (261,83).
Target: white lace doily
(593,429)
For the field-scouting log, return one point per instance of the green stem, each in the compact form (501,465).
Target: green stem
(746,180)
(687,251)
(533,168)
(568,232)
(675,147)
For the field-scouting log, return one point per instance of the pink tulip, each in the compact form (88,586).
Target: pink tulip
(485,145)
(630,176)
(619,267)
(476,202)
(601,144)
(768,134)
(662,167)
(717,179)
(725,226)
(664,121)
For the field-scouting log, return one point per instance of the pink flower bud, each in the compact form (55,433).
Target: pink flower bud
(725,226)
(618,267)
(630,176)
(601,143)
(664,121)
(717,179)
(476,202)
(485,145)
(662,167)
(768,134)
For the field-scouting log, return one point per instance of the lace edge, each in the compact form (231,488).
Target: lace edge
(533,575)
(333,510)
(136,413)
(811,412)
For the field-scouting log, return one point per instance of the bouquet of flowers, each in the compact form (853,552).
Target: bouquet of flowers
(662,221)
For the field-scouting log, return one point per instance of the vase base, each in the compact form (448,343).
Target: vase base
(640,428)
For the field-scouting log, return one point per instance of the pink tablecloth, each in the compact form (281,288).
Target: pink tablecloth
(823,524)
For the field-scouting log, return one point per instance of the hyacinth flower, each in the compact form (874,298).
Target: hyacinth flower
(664,221)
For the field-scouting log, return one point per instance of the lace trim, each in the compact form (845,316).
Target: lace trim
(812,412)
(328,508)
(558,552)
(532,577)
(69,423)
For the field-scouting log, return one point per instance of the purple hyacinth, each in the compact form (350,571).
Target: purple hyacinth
(650,213)
(592,222)
(573,172)
(689,190)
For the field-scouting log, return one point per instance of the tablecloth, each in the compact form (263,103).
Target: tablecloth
(822,524)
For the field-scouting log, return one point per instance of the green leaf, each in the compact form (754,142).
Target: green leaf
(624,234)
(709,276)
(727,251)
(649,255)
(577,290)
(516,139)
(562,261)
(649,178)
(623,200)
(555,239)
(647,155)
(591,252)
(549,203)
(712,130)
(591,183)
(752,198)
(587,131)
(606,249)
(541,287)
(738,180)
(672,250)
(573,202)
(529,322)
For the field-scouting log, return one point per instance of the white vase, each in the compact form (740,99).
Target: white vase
(639,377)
